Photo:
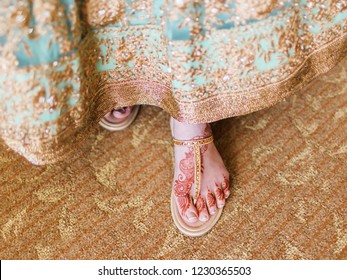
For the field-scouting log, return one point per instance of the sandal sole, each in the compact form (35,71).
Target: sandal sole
(196,229)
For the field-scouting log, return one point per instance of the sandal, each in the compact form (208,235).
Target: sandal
(113,126)
(198,228)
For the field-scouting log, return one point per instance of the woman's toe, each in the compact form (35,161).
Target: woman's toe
(109,116)
(211,203)
(225,187)
(202,209)
(226,193)
(191,216)
(219,195)
(121,112)
(187,209)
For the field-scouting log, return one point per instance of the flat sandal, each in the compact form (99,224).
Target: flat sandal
(198,228)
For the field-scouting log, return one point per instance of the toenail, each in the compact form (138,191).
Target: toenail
(192,216)
(204,218)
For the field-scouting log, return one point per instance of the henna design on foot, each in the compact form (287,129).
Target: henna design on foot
(184,203)
(200,204)
(219,193)
(225,183)
(184,183)
(185,180)
(211,200)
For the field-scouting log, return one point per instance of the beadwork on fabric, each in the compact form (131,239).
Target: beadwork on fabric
(65,64)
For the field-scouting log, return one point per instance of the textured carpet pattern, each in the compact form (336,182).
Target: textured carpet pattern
(288,201)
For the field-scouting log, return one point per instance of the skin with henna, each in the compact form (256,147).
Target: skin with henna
(214,188)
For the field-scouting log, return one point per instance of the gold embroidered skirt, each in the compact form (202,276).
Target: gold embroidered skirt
(65,64)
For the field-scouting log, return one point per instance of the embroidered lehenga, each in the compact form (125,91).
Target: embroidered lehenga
(65,64)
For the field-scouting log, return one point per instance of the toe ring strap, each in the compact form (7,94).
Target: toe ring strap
(196,145)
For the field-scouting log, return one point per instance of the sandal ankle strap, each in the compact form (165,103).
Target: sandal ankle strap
(196,144)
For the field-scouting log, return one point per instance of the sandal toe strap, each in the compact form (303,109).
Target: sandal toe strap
(196,145)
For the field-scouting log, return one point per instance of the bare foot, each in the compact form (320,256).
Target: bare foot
(118,115)
(214,187)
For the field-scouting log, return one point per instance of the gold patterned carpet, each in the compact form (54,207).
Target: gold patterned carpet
(289,195)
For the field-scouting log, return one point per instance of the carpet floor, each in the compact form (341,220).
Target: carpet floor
(112,201)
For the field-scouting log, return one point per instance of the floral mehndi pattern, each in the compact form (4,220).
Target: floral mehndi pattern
(185,181)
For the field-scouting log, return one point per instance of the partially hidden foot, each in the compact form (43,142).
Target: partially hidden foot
(118,115)
(214,178)
(119,118)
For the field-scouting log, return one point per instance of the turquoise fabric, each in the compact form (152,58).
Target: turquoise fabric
(58,61)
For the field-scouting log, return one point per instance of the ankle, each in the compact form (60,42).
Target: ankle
(185,131)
